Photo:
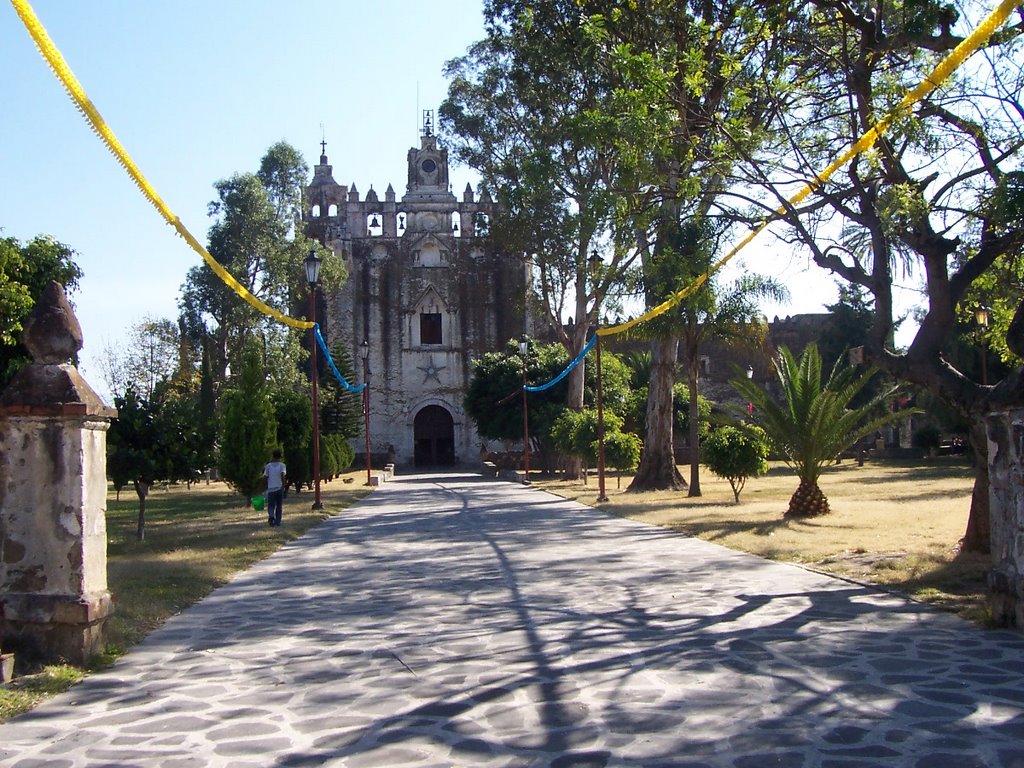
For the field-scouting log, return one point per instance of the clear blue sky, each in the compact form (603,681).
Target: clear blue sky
(198,90)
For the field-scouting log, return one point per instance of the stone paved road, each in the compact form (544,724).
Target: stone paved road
(455,621)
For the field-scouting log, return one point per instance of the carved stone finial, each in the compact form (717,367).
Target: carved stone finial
(52,333)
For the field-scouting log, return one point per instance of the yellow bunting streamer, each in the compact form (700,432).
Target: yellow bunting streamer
(944,69)
(87,108)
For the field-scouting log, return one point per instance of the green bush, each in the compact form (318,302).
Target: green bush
(346,454)
(622,451)
(737,453)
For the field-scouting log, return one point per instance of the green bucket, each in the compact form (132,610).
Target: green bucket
(258,502)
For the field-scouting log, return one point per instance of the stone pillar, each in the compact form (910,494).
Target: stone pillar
(54,600)
(1005,433)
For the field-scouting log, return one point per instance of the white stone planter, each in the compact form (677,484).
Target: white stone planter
(6,667)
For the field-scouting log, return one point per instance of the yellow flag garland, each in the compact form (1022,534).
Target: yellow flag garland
(60,68)
(88,109)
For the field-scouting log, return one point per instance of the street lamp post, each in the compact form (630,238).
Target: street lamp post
(750,404)
(524,348)
(981,316)
(312,264)
(601,495)
(595,265)
(364,352)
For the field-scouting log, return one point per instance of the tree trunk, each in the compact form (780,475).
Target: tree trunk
(977,537)
(142,490)
(657,470)
(693,367)
(808,501)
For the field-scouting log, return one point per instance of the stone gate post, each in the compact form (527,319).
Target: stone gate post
(1005,434)
(53,488)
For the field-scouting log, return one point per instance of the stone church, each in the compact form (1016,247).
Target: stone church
(427,292)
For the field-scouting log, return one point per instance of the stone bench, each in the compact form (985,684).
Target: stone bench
(489,468)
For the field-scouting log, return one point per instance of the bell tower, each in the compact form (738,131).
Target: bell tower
(428,188)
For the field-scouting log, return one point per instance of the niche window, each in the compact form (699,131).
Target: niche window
(481,225)
(430,328)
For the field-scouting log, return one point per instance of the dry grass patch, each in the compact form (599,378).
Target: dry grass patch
(896,525)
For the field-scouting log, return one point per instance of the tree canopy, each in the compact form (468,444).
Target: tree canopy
(255,238)
(25,270)
(937,199)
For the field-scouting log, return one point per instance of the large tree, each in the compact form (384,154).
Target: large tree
(688,76)
(150,354)
(727,313)
(528,107)
(940,196)
(254,237)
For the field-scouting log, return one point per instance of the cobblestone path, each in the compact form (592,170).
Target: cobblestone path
(455,621)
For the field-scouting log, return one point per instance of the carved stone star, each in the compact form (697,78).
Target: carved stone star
(431,371)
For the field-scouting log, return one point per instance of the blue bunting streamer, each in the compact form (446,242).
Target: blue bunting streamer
(568,368)
(334,369)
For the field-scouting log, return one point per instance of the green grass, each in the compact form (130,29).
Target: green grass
(25,692)
(196,540)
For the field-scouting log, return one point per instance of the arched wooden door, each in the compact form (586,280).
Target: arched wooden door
(434,436)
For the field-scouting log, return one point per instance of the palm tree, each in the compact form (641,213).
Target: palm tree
(815,422)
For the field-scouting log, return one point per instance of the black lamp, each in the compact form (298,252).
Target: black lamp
(312,264)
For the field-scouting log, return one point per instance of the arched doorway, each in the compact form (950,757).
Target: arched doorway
(434,435)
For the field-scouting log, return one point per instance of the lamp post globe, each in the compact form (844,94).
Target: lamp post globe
(312,266)
(982,315)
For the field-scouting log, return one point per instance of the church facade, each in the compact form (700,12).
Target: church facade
(427,292)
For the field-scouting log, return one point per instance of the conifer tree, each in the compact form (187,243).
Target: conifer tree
(249,431)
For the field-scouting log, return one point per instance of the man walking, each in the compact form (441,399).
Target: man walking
(277,478)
